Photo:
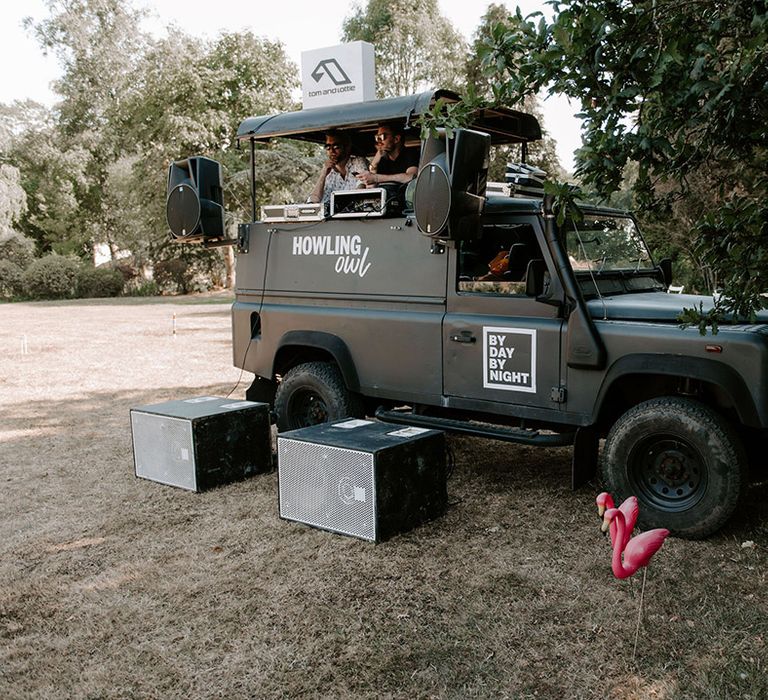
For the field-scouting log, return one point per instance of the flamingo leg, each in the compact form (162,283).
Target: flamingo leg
(639,614)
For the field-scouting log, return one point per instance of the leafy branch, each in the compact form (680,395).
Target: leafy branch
(449,116)
(565,205)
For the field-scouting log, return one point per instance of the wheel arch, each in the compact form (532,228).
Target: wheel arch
(646,376)
(298,347)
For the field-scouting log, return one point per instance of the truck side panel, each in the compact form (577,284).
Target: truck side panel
(336,278)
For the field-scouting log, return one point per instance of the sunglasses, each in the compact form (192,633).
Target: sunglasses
(382,137)
(333,146)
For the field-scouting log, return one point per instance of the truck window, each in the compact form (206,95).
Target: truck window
(606,243)
(497,262)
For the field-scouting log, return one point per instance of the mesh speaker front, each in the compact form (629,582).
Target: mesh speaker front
(163,449)
(327,487)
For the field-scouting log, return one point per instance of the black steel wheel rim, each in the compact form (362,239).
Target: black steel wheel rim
(667,472)
(307,407)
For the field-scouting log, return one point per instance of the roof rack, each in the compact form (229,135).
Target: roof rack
(504,125)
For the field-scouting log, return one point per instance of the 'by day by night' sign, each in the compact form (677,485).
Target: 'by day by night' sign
(338,75)
(509,359)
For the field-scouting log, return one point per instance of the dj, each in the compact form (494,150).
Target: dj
(392,162)
(340,169)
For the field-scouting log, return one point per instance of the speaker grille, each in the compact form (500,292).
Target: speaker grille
(163,449)
(327,487)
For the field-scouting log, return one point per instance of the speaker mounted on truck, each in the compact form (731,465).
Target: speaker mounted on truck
(194,205)
(449,195)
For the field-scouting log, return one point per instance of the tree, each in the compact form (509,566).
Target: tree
(14,245)
(542,153)
(188,98)
(97,43)
(13,199)
(681,89)
(416,47)
(55,181)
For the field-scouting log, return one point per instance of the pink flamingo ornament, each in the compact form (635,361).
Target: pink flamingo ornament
(637,553)
(629,509)
(637,550)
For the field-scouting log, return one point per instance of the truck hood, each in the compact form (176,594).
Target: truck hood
(651,306)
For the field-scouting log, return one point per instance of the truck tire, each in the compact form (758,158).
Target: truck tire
(313,393)
(683,461)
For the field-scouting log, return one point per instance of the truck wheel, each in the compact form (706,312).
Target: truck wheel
(313,393)
(682,460)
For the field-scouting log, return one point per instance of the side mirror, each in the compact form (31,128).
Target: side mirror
(534,278)
(665,267)
(449,195)
(194,205)
(539,284)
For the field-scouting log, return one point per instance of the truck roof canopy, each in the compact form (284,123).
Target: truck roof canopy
(504,125)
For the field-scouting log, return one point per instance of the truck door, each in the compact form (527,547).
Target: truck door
(499,345)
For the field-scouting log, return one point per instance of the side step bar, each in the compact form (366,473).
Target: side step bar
(497,432)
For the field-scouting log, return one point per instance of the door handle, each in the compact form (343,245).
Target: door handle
(463,337)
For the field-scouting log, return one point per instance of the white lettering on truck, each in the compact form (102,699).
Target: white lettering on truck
(351,259)
(509,359)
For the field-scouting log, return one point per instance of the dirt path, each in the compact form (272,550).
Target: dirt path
(111,586)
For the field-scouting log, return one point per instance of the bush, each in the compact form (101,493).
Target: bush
(18,249)
(147,288)
(94,282)
(179,276)
(10,280)
(170,275)
(51,277)
(126,268)
(185,269)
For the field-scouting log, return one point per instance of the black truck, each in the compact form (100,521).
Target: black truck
(460,304)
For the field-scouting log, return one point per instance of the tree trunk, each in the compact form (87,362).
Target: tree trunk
(229,266)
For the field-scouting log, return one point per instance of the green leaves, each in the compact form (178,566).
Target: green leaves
(417,48)
(565,205)
(449,116)
(679,93)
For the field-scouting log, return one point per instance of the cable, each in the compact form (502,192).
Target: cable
(450,459)
(258,313)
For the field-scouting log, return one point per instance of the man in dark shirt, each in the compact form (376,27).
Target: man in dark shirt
(392,162)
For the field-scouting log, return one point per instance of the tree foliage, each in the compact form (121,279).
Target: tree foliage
(541,153)
(92,170)
(98,43)
(680,89)
(188,98)
(416,47)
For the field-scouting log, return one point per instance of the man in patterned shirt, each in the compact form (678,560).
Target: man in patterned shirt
(340,169)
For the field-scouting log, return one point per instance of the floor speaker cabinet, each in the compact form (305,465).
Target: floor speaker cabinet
(202,442)
(362,478)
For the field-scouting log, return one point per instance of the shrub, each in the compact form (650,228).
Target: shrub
(10,279)
(173,275)
(51,277)
(126,268)
(93,282)
(147,288)
(18,249)
(185,269)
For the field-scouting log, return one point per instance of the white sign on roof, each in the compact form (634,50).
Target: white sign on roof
(338,75)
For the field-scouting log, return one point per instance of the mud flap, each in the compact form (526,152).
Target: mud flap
(261,390)
(584,459)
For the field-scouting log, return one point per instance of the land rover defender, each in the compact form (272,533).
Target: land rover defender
(461,305)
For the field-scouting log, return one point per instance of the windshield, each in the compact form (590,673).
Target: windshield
(605,243)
